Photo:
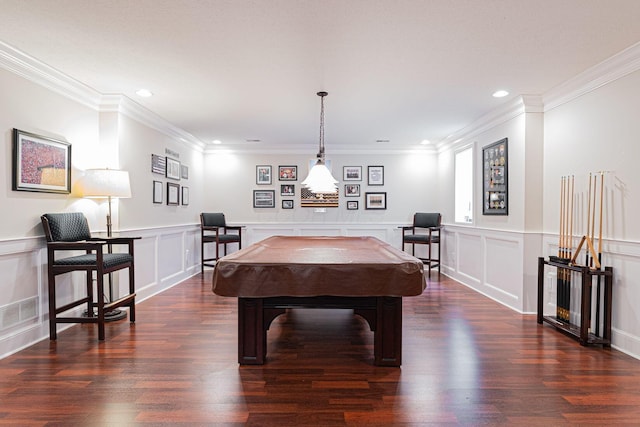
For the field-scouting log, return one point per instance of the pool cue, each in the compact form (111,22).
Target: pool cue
(569,244)
(560,270)
(586,261)
(599,255)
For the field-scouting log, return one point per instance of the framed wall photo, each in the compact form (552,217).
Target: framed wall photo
(376,175)
(157,191)
(158,164)
(173,196)
(495,178)
(264,198)
(263,175)
(288,173)
(287,204)
(375,200)
(173,169)
(352,173)
(40,164)
(352,190)
(185,196)
(352,205)
(184,172)
(287,190)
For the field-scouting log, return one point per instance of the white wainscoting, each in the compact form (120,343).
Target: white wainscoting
(488,261)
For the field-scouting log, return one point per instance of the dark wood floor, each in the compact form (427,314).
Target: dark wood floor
(466,361)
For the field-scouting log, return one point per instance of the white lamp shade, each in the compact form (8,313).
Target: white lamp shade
(106,183)
(320,180)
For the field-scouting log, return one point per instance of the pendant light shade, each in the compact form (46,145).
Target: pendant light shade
(320,179)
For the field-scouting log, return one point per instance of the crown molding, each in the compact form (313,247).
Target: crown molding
(42,74)
(48,77)
(509,110)
(124,105)
(609,70)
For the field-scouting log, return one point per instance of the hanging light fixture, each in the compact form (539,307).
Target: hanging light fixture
(320,179)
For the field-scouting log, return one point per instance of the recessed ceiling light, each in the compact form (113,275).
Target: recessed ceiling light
(425,142)
(145,93)
(216,142)
(500,94)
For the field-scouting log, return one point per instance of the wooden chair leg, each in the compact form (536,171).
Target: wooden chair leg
(90,301)
(100,304)
(52,308)
(132,289)
(202,255)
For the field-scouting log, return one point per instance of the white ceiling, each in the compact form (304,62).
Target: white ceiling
(398,70)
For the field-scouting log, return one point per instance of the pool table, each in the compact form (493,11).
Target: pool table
(281,272)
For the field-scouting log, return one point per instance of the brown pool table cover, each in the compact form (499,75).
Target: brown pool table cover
(308,266)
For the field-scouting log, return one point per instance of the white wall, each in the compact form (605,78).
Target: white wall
(492,255)
(599,131)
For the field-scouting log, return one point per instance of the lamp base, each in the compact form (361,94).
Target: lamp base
(110,316)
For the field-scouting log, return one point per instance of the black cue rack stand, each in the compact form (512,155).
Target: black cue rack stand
(581,332)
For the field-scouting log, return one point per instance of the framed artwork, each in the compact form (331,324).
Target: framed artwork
(495,178)
(352,173)
(173,195)
(352,205)
(185,196)
(288,173)
(158,164)
(376,175)
(264,198)
(184,172)
(157,192)
(287,204)
(352,190)
(375,200)
(287,190)
(40,164)
(173,169)
(263,175)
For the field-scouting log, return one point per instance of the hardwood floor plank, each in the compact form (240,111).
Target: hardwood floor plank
(466,361)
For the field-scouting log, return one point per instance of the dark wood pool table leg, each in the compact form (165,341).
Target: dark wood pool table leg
(252,336)
(387,340)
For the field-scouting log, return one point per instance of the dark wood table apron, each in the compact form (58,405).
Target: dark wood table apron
(359,273)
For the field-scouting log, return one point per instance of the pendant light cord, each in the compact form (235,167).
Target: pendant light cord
(321,153)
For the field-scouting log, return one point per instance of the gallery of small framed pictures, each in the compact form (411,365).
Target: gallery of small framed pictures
(171,169)
(374,200)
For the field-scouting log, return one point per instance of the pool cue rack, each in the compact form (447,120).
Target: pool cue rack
(568,268)
(582,331)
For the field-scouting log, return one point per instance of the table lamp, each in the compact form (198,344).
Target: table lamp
(106,183)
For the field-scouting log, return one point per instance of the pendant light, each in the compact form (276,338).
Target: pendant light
(320,179)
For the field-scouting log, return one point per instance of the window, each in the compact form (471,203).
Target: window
(464,185)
